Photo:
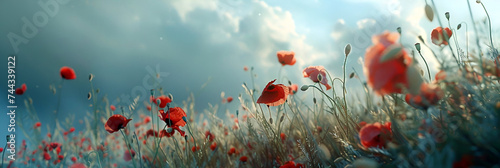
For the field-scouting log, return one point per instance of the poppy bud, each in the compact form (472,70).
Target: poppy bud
(184,118)
(169,130)
(158,101)
(459,26)
(351,75)
(289,83)
(417,46)
(271,120)
(314,100)
(89,96)
(421,39)
(347,49)
(282,117)
(91,76)
(171,97)
(237,112)
(399,30)
(304,88)
(478,1)
(447,14)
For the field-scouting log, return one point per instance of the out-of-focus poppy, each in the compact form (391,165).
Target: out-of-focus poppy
(286,57)
(274,95)
(229,99)
(21,90)
(375,135)
(429,95)
(244,159)
(129,154)
(387,76)
(112,107)
(293,88)
(67,73)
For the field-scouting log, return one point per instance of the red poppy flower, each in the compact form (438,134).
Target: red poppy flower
(291,164)
(46,156)
(37,124)
(317,74)
(283,137)
(173,117)
(78,165)
(116,122)
(164,100)
(213,146)
(229,99)
(112,107)
(244,159)
(151,132)
(129,154)
(21,90)
(245,68)
(286,57)
(209,135)
(147,120)
(292,89)
(148,108)
(73,159)
(195,148)
(388,76)
(1,149)
(273,95)
(67,73)
(429,95)
(375,135)
(438,37)
(465,162)
(231,151)
(72,129)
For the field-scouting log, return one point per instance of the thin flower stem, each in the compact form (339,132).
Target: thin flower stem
(3,153)
(495,52)
(158,144)
(138,149)
(128,146)
(426,65)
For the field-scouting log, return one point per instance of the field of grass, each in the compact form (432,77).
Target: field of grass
(404,117)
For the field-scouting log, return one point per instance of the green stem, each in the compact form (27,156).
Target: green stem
(495,52)
(128,146)
(426,65)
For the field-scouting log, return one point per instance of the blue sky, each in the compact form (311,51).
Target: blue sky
(196,42)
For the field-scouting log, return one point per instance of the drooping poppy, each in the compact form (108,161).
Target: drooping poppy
(116,122)
(67,73)
(429,95)
(164,100)
(21,90)
(274,95)
(388,76)
(317,74)
(438,37)
(286,57)
(112,107)
(129,154)
(375,135)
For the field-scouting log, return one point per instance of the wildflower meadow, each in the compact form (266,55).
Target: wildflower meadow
(402,115)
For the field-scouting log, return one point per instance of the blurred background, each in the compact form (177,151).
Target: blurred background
(198,47)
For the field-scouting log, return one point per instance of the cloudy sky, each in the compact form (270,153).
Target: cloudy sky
(198,43)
